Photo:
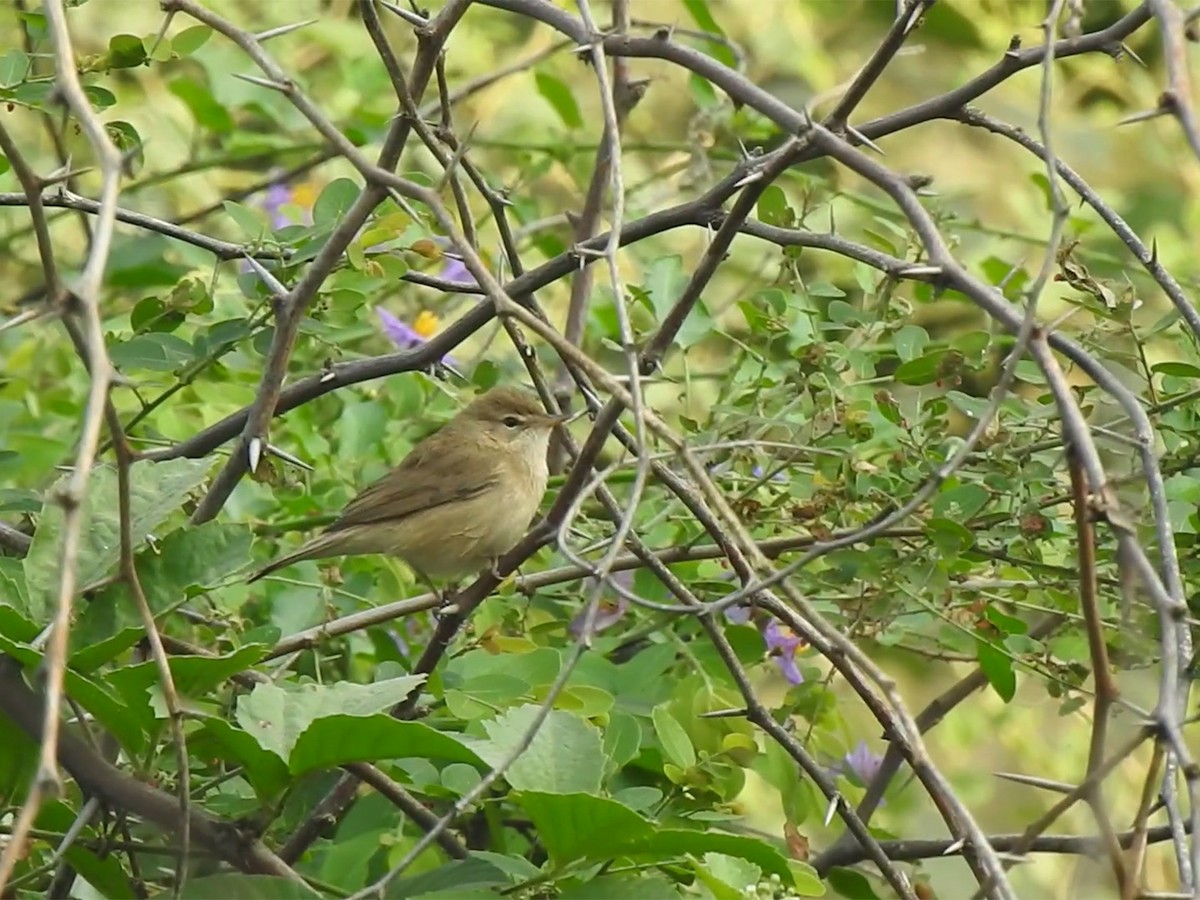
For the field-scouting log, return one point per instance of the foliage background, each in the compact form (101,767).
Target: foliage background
(819,364)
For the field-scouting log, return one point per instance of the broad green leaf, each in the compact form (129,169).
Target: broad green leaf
(997,666)
(565,756)
(648,886)
(277,714)
(338,739)
(252,222)
(219,739)
(1176,368)
(458,876)
(194,555)
(576,827)
(125,51)
(664,282)
(247,887)
(335,200)
(204,108)
(773,207)
(728,877)
(702,16)
(194,676)
(961,503)
(674,739)
(910,341)
(158,352)
(104,872)
(558,94)
(155,491)
(922,370)
(14,67)
(191,39)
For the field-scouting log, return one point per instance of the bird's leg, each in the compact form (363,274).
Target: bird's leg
(443,594)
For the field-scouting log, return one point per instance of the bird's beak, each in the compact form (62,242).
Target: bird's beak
(564,419)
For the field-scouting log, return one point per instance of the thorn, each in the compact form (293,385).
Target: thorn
(863,139)
(161,34)
(736,713)
(832,808)
(920,272)
(1154,251)
(410,17)
(1033,781)
(954,848)
(1128,51)
(254,452)
(288,458)
(264,82)
(282,29)
(270,280)
(21,318)
(327,377)
(749,178)
(1143,116)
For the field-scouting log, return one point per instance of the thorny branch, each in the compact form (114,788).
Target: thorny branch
(514,303)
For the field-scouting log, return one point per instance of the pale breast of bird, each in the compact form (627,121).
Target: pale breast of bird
(466,536)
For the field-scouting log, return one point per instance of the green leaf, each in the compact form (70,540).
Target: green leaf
(851,884)
(699,11)
(664,282)
(698,325)
(194,555)
(674,739)
(910,341)
(202,105)
(773,207)
(559,96)
(1176,368)
(219,739)
(961,503)
(191,39)
(14,67)
(194,676)
(337,198)
(477,871)
(997,666)
(922,370)
(158,352)
(155,491)
(247,887)
(647,886)
(277,714)
(728,877)
(338,739)
(252,222)
(125,51)
(565,756)
(575,827)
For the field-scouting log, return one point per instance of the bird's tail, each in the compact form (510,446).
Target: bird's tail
(308,550)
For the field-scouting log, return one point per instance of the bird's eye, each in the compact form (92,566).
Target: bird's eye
(511,421)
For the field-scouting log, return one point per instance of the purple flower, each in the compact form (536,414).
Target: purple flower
(862,762)
(783,644)
(453,269)
(277,195)
(402,334)
(757,472)
(738,615)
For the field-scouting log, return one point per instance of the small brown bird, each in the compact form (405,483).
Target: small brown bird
(462,497)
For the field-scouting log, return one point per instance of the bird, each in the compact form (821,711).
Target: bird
(462,497)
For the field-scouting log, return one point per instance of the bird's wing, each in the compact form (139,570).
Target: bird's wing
(402,492)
